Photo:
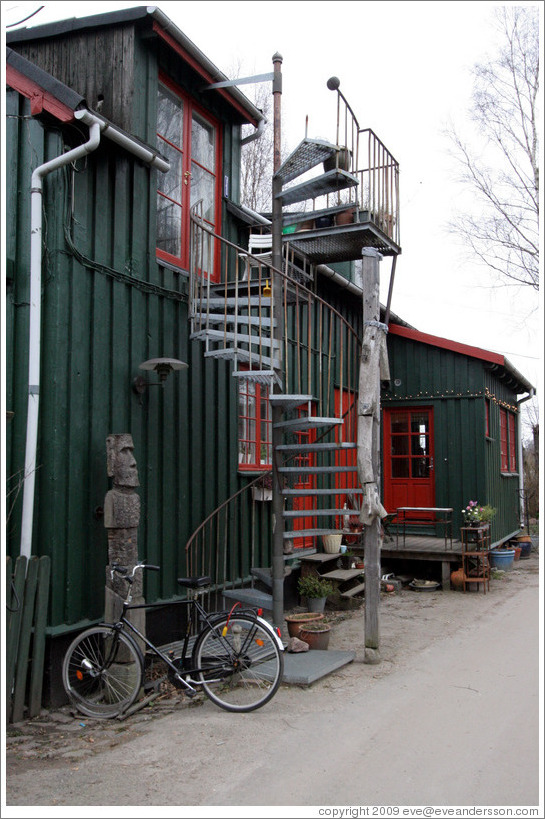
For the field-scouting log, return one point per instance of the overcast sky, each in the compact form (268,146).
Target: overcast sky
(405,68)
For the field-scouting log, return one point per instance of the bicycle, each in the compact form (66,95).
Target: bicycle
(236,656)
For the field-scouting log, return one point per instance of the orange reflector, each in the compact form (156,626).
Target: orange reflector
(259,612)
(260,642)
(224,632)
(79,675)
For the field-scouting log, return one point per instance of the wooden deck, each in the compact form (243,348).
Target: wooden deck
(422,547)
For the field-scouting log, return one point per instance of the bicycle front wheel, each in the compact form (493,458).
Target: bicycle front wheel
(240,664)
(102,672)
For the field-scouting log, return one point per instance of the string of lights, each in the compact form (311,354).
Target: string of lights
(425,395)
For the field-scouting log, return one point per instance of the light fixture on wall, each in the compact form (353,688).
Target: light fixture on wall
(162,366)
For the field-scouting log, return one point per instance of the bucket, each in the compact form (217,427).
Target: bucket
(525,549)
(331,543)
(502,558)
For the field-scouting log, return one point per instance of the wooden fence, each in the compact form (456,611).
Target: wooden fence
(26,602)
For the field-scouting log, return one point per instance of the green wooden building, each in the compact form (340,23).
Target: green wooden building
(142,254)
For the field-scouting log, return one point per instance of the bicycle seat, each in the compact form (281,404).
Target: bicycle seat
(195,582)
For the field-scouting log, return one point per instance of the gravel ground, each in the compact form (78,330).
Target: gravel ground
(410,621)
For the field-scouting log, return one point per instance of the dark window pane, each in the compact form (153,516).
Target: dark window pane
(400,423)
(400,467)
(400,445)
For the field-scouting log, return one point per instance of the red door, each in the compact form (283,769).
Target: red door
(303,503)
(346,408)
(408,457)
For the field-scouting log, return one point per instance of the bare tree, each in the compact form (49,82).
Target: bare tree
(502,227)
(257,157)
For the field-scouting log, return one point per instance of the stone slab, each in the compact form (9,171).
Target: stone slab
(309,666)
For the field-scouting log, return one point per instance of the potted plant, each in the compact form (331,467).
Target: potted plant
(262,489)
(316,590)
(316,634)
(299,620)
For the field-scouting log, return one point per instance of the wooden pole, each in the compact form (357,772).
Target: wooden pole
(278,332)
(372,361)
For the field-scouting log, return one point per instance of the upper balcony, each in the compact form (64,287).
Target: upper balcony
(351,193)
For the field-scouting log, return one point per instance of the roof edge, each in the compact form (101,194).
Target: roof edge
(238,99)
(494,359)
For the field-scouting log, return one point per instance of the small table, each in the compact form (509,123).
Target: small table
(426,516)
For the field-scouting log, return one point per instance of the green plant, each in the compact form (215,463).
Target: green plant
(487,513)
(313,586)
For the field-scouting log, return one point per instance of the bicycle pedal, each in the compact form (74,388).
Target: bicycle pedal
(189,693)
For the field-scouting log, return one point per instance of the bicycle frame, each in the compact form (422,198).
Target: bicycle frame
(196,609)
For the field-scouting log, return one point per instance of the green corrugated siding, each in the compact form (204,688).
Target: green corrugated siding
(95,332)
(467,464)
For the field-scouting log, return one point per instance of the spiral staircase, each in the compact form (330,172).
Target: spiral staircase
(238,320)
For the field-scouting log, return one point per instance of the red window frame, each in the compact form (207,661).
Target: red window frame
(183,150)
(512,442)
(508,441)
(254,427)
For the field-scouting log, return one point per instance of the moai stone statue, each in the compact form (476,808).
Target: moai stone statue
(121,519)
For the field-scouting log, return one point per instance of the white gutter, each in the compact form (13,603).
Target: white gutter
(96,124)
(521,464)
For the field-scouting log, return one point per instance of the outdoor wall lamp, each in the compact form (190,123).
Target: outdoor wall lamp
(162,366)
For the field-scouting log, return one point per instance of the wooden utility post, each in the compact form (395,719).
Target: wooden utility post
(278,332)
(373,368)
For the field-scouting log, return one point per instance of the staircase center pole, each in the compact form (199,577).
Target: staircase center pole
(278,334)
(369,446)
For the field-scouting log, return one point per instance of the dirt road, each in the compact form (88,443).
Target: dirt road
(449,717)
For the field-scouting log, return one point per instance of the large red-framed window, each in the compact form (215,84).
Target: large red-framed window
(190,139)
(508,441)
(254,426)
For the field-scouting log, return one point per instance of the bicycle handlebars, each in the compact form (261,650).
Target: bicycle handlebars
(124,571)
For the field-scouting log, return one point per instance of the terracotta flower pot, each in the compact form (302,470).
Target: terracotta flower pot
(297,621)
(317,639)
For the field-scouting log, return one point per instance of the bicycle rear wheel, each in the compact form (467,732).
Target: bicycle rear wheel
(240,663)
(102,672)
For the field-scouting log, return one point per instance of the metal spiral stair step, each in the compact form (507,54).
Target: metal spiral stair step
(308,422)
(333,491)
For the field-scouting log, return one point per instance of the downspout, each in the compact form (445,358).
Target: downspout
(96,124)
(521,464)
(256,134)
(34,334)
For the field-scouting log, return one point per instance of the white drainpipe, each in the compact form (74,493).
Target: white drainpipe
(96,124)
(34,352)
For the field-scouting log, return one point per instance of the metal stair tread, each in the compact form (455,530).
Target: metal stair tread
(308,154)
(315,470)
(288,402)
(288,534)
(232,301)
(333,491)
(231,352)
(329,182)
(309,422)
(236,318)
(221,335)
(310,513)
(315,447)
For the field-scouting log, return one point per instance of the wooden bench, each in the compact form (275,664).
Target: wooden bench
(425,516)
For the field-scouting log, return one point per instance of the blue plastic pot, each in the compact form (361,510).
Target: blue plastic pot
(502,558)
